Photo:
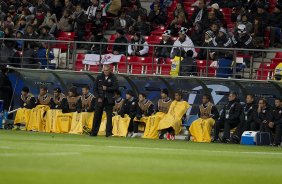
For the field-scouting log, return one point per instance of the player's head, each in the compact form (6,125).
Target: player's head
(73,92)
(262,103)
(164,93)
(117,94)
(129,94)
(43,90)
(85,90)
(206,98)
(25,91)
(178,96)
(278,102)
(232,96)
(142,96)
(250,98)
(57,92)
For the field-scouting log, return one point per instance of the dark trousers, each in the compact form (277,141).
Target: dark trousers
(135,125)
(226,125)
(98,117)
(246,126)
(131,125)
(277,130)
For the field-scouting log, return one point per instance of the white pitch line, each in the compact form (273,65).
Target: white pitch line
(5,147)
(38,154)
(187,150)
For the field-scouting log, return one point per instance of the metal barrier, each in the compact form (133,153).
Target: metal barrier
(254,63)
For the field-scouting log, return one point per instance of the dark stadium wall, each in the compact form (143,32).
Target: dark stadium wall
(192,88)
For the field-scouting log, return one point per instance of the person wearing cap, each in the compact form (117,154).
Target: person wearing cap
(229,118)
(245,20)
(123,123)
(241,39)
(164,52)
(144,110)
(275,25)
(183,43)
(58,98)
(200,129)
(72,102)
(208,42)
(151,129)
(222,40)
(218,14)
(27,102)
(172,121)
(138,46)
(120,38)
(37,117)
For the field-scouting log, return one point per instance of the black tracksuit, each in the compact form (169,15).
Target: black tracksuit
(265,115)
(121,49)
(229,118)
(130,108)
(277,119)
(108,101)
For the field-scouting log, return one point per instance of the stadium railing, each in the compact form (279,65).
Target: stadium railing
(256,64)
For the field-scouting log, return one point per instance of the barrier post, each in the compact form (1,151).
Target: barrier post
(74,56)
(22,55)
(207,62)
(234,64)
(68,57)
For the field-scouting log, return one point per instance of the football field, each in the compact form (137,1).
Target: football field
(29,157)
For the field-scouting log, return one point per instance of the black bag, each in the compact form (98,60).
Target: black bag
(263,138)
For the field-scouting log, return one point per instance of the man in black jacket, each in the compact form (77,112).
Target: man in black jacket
(164,52)
(5,87)
(130,107)
(247,121)
(276,124)
(229,118)
(104,88)
(117,48)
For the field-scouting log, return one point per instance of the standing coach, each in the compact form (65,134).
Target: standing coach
(104,88)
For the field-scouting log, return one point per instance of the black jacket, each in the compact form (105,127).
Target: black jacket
(157,19)
(264,115)
(66,109)
(232,111)
(277,116)
(5,90)
(129,108)
(121,49)
(275,20)
(248,113)
(195,13)
(112,85)
(245,41)
(188,66)
(30,105)
(164,51)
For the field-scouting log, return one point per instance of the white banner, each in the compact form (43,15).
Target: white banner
(94,59)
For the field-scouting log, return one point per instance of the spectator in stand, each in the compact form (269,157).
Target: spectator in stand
(197,34)
(188,66)
(24,5)
(244,20)
(237,13)
(13,14)
(30,34)
(39,18)
(41,5)
(19,43)
(180,9)
(183,43)
(208,42)
(57,8)
(91,10)
(123,21)
(178,22)
(53,26)
(21,25)
(44,56)
(224,66)
(157,16)
(8,23)
(164,52)
(222,40)
(80,20)
(69,6)
(275,25)
(46,21)
(160,3)
(210,21)
(99,48)
(98,22)
(217,13)
(241,39)
(138,46)
(65,23)
(120,38)
(260,23)
(254,4)
(137,11)
(214,27)
(140,26)
(200,13)
(44,33)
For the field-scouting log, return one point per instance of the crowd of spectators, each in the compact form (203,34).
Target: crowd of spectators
(205,25)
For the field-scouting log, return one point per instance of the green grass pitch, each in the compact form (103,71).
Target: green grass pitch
(39,158)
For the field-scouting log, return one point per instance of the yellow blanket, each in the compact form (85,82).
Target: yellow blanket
(37,118)
(200,130)
(22,116)
(120,125)
(152,124)
(51,120)
(174,116)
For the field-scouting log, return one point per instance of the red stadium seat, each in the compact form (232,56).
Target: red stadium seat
(70,35)
(78,64)
(202,68)
(266,71)
(163,68)
(226,11)
(63,46)
(159,31)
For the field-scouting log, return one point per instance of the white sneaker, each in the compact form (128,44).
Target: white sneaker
(129,134)
(134,135)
